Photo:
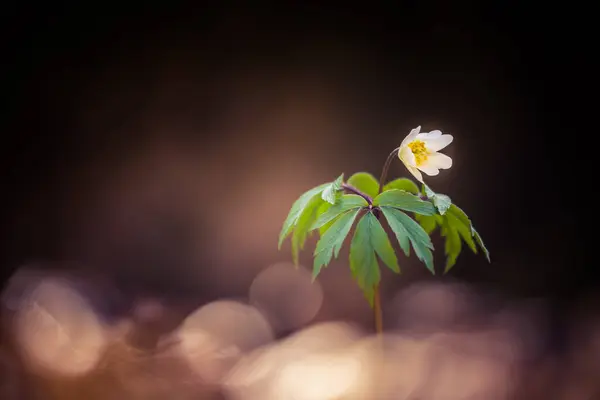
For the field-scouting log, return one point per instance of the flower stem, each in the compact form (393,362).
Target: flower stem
(377,296)
(354,190)
(378,314)
(386,168)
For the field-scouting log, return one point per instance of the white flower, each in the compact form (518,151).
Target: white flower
(419,151)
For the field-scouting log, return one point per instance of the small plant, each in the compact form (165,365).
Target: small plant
(334,208)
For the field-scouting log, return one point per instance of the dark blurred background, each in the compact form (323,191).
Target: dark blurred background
(315,90)
(157,150)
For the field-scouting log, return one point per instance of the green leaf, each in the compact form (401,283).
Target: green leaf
(402,184)
(326,227)
(303,225)
(463,229)
(363,262)
(323,208)
(381,243)
(332,241)
(347,202)
(427,222)
(401,235)
(442,202)
(460,214)
(404,227)
(480,243)
(296,211)
(468,230)
(404,201)
(329,193)
(453,245)
(365,182)
(456,225)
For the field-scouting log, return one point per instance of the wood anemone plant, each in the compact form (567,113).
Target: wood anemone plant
(333,208)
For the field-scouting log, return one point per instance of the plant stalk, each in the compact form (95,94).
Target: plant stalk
(386,168)
(354,190)
(378,314)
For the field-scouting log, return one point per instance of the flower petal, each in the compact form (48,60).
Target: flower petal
(407,157)
(430,135)
(439,160)
(411,136)
(438,143)
(429,169)
(416,173)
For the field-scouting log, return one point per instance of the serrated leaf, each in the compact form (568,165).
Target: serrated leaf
(463,229)
(427,222)
(326,227)
(460,214)
(466,230)
(404,227)
(442,202)
(296,210)
(401,235)
(456,228)
(323,208)
(453,245)
(363,262)
(480,243)
(381,243)
(303,225)
(365,182)
(345,203)
(402,184)
(331,242)
(404,201)
(329,193)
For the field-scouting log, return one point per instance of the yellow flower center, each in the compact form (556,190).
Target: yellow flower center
(419,151)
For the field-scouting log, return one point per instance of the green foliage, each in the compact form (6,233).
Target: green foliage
(402,184)
(365,182)
(453,245)
(407,230)
(381,243)
(456,228)
(296,210)
(325,209)
(305,211)
(404,201)
(427,222)
(332,189)
(440,201)
(480,243)
(363,262)
(332,240)
(303,225)
(454,225)
(459,220)
(347,202)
